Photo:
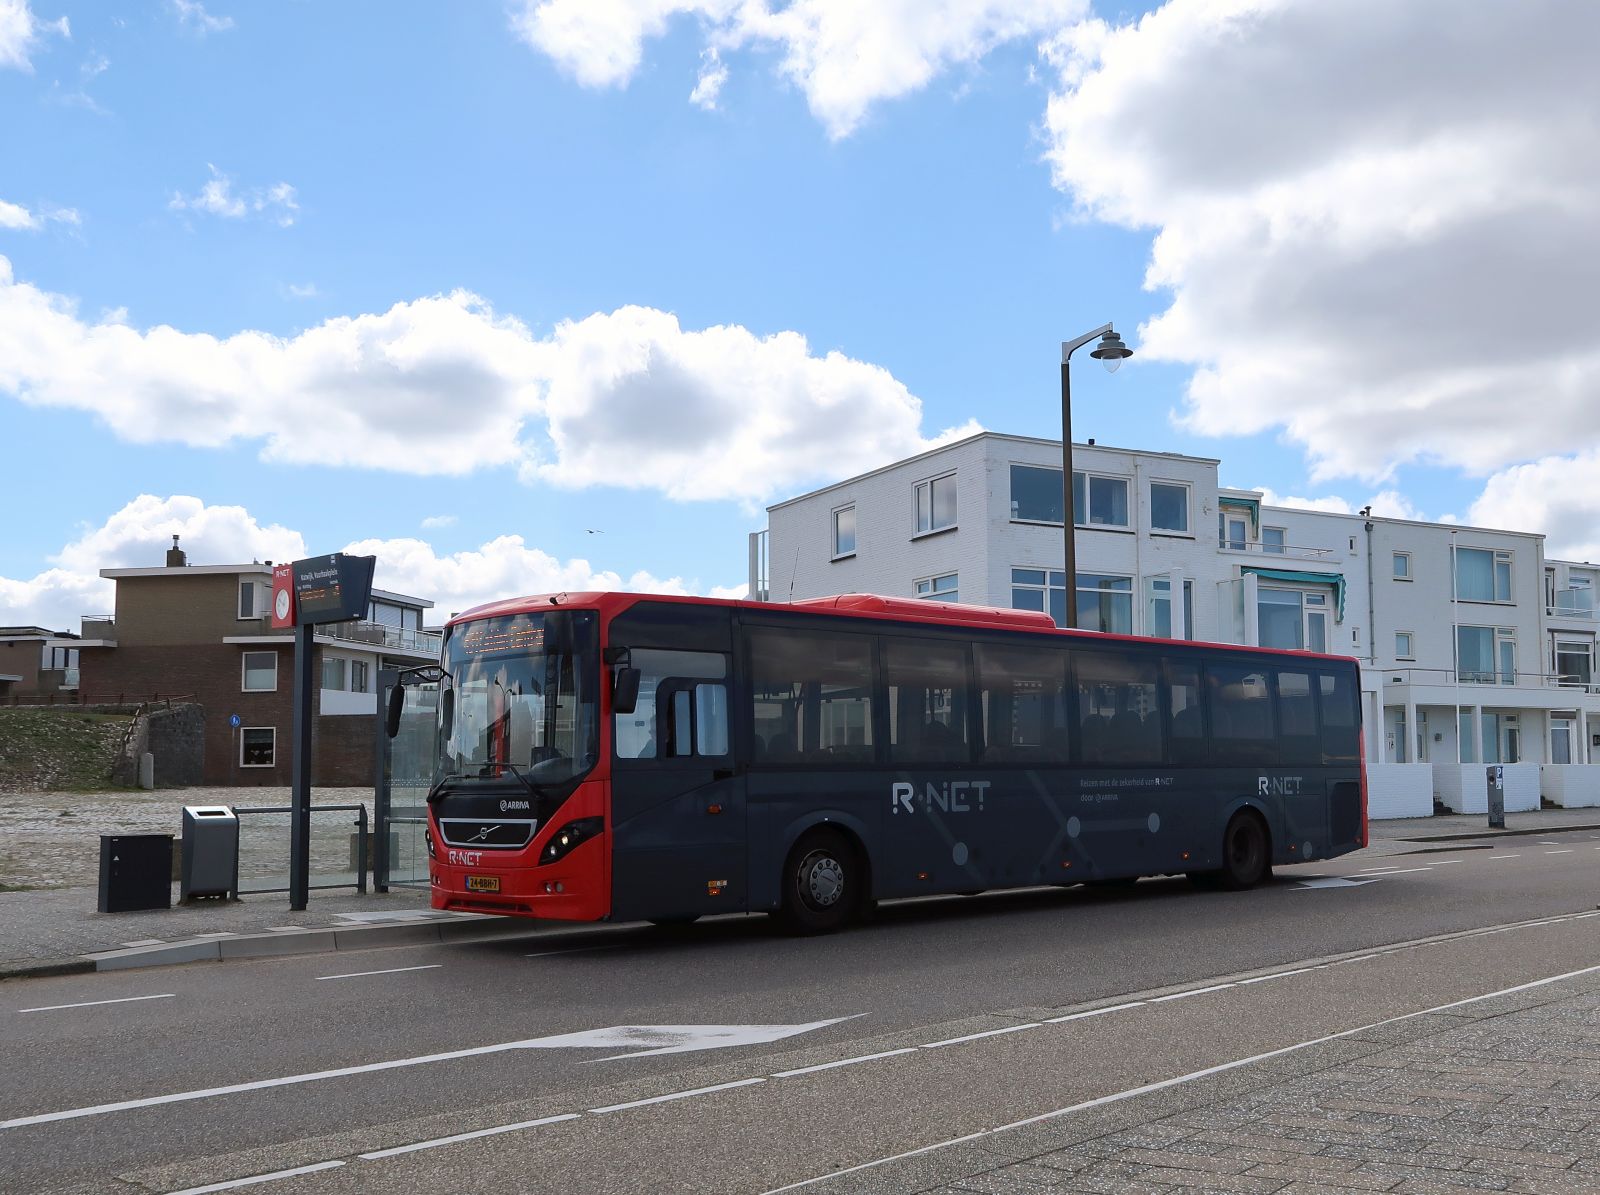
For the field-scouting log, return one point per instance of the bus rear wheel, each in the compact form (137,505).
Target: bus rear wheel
(1245,862)
(821,884)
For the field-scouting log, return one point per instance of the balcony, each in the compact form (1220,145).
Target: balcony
(1470,677)
(1269,552)
(1572,603)
(368,634)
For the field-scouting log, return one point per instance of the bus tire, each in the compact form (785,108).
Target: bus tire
(1246,858)
(821,884)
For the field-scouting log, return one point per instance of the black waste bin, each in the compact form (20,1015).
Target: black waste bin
(135,872)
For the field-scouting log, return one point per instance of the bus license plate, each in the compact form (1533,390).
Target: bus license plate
(483,883)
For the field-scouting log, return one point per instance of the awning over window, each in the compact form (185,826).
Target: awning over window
(1283,574)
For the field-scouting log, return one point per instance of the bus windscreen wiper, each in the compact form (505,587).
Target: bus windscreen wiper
(436,793)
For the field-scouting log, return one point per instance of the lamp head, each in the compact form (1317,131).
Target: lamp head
(1111,352)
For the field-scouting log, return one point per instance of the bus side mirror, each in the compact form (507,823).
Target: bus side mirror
(397,702)
(625,691)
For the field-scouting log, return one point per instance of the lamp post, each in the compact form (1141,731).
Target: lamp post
(1111,353)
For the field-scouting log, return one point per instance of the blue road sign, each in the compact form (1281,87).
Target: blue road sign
(234,720)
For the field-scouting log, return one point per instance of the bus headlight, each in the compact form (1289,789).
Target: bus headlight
(427,837)
(569,836)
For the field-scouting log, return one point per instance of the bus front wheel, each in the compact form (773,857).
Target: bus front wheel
(1245,861)
(821,884)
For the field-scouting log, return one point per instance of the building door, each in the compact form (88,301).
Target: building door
(1561,740)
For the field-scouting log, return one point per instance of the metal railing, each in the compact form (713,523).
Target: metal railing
(325,849)
(105,697)
(382,635)
(1287,551)
(1576,603)
(1519,680)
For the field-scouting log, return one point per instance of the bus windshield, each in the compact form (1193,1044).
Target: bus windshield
(521,699)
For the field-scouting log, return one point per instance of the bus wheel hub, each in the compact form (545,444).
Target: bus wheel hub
(824,880)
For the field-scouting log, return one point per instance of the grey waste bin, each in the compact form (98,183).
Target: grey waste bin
(210,851)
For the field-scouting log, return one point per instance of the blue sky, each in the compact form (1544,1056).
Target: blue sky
(366,155)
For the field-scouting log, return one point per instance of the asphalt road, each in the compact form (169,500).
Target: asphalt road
(116,1075)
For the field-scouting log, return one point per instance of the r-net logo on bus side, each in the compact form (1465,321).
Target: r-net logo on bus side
(949,796)
(1279,786)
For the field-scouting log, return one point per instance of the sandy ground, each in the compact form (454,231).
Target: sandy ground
(52,839)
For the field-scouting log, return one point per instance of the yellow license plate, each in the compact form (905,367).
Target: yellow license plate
(483,883)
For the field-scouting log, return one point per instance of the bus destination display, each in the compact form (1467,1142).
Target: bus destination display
(334,588)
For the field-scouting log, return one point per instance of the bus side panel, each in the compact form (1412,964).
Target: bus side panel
(678,843)
(785,802)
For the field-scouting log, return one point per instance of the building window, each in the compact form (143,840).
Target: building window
(1036,589)
(1292,619)
(1576,600)
(333,672)
(1233,531)
(1575,662)
(1035,494)
(844,532)
(247,599)
(1486,655)
(260,672)
(1483,575)
(1274,540)
(1099,501)
(1402,646)
(1158,607)
(1105,603)
(358,676)
(258,746)
(936,503)
(1169,506)
(1402,566)
(939,589)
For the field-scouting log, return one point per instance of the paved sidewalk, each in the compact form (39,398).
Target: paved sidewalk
(1497,1095)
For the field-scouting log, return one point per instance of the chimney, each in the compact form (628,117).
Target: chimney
(176,558)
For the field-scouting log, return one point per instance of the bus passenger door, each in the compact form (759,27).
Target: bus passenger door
(677,803)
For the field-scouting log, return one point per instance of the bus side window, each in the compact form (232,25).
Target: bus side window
(1297,720)
(1340,720)
(649,731)
(1187,744)
(1119,719)
(927,684)
(1241,716)
(693,718)
(1023,691)
(811,697)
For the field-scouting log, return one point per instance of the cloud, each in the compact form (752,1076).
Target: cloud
(439,521)
(1330,504)
(296,291)
(1375,221)
(193,17)
(17,218)
(445,385)
(218,198)
(713,74)
(1555,495)
(21,32)
(844,55)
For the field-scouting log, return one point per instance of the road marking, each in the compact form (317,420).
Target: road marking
(1385,867)
(952,1041)
(1492,858)
(1094,1012)
(1338,881)
(678,1095)
(1442,862)
(387,971)
(259,1178)
(1567,851)
(828,1066)
(1400,872)
(92,1003)
(438,1141)
(1216,987)
(1276,975)
(1163,1084)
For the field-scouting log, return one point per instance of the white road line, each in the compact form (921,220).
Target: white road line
(1442,862)
(952,1041)
(92,1003)
(1400,872)
(1276,975)
(438,1141)
(1094,1012)
(828,1066)
(677,1095)
(387,971)
(1370,870)
(1163,1084)
(1216,987)
(1492,858)
(259,1178)
(1567,851)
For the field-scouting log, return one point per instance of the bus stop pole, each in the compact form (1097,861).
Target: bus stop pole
(300,795)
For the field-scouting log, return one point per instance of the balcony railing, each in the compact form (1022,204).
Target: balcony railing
(1283,551)
(1574,603)
(370,634)
(1520,680)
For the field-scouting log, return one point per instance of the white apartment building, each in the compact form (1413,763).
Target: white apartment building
(1476,650)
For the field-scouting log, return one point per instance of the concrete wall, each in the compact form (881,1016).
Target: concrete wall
(1399,790)
(1571,786)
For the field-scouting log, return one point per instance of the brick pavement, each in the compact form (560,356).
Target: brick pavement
(1501,1095)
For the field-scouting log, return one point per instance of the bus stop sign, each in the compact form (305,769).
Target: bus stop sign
(334,588)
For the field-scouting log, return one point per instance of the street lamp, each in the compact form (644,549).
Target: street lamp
(1110,352)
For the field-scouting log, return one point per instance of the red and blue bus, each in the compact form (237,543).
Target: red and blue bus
(619,756)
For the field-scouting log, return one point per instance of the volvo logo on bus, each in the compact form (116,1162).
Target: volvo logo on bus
(1278,786)
(508,806)
(949,796)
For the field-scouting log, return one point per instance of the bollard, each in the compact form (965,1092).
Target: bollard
(147,771)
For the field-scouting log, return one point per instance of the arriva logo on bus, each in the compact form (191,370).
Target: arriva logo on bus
(950,796)
(1278,786)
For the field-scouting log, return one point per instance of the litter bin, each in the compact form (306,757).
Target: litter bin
(135,872)
(210,851)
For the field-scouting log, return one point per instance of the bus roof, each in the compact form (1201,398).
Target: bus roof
(859,605)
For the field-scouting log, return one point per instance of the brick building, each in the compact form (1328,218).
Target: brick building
(37,663)
(204,632)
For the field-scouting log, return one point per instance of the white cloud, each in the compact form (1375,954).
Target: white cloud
(444,385)
(218,198)
(20,33)
(1375,220)
(439,521)
(1555,495)
(193,16)
(844,55)
(1331,504)
(17,218)
(713,74)
(297,291)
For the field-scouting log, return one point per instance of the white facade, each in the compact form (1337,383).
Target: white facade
(1475,649)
